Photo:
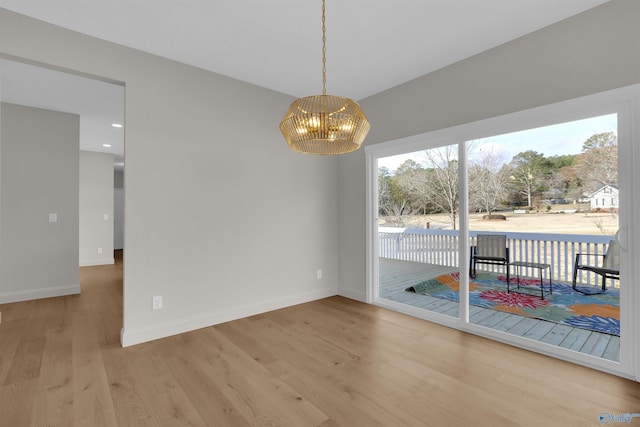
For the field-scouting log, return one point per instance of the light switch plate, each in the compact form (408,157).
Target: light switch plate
(53,217)
(157,302)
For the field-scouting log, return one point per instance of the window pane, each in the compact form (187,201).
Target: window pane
(553,192)
(418,229)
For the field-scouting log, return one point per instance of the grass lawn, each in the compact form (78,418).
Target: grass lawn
(551,222)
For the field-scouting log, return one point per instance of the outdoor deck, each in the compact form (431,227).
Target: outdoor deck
(396,276)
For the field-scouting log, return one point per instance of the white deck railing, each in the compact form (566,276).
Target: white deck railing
(440,247)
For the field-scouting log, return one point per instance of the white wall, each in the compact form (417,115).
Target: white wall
(38,176)
(222,219)
(96,208)
(589,53)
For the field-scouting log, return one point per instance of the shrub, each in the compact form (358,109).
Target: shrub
(494,217)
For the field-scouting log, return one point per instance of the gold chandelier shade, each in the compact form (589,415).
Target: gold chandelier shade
(324,124)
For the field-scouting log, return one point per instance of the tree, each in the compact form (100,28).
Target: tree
(600,140)
(384,191)
(443,189)
(413,181)
(392,201)
(408,166)
(562,175)
(530,174)
(597,165)
(487,182)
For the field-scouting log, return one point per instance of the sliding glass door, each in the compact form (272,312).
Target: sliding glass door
(417,226)
(552,194)
(550,190)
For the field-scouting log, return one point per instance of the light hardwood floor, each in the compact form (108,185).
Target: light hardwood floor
(333,362)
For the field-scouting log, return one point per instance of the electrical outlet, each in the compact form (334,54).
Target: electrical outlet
(319,274)
(99,250)
(157,302)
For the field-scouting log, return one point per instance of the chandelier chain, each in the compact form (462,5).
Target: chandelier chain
(324,53)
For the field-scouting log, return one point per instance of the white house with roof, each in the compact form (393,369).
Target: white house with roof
(605,199)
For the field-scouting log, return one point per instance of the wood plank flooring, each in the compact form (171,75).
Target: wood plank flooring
(396,276)
(332,362)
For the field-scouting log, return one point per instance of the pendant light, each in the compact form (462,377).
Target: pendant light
(324,124)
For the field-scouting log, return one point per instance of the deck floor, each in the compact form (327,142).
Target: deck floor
(396,276)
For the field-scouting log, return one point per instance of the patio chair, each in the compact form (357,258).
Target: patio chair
(490,249)
(610,268)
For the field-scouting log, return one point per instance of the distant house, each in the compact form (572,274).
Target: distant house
(605,199)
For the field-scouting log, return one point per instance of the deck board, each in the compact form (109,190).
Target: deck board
(523,326)
(508,323)
(557,334)
(575,339)
(396,276)
(596,344)
(612,352)
(540,330)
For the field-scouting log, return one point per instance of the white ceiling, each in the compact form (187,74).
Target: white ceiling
(99,104)
(372,45)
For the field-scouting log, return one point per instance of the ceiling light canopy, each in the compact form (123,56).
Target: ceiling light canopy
(324,124)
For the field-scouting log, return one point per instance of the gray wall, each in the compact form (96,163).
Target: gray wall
(222,219)
(38,176)
(96,201)
(589,53)
(118,179)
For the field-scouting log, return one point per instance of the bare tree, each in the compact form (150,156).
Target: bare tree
(384,191)
(414,183)
(600,223)
(597,165)
(443,191)
(487,182)
(392,202)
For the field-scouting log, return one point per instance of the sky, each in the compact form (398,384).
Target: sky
(555,140)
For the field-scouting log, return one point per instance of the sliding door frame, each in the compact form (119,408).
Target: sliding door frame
(625,102)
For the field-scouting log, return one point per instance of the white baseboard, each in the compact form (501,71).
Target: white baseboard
(133,336)
(351,294)
(88,262)
(30,294)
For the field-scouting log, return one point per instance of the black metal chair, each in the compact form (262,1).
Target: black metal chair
(610,268)
(490,249)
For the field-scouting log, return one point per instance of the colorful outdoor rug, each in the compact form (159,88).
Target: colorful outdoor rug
(600,313)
